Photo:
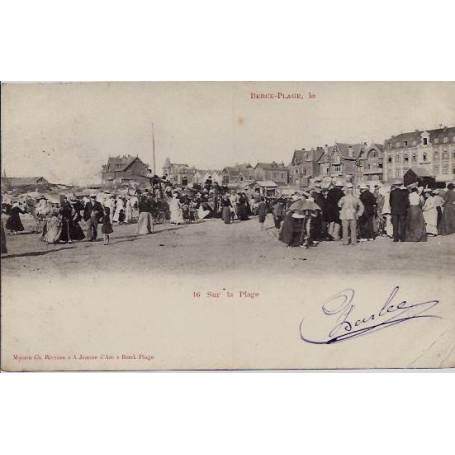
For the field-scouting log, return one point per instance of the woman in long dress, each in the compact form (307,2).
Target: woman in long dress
(52,230)
(226,211)
(448,214)
(110,203)
(176,210)
(145,221)
(243,207)
(415,223)
(14,223)
(76,231)
(128,211)
(430,214)
(387,215)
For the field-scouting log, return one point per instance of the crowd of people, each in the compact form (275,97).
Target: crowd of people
(343,212)
(335,212)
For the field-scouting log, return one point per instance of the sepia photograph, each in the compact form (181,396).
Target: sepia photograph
(227,225)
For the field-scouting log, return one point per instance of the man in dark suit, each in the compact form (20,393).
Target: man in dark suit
(399,203)
(93,212)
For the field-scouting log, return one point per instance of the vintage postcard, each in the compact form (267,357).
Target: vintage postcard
(227,225)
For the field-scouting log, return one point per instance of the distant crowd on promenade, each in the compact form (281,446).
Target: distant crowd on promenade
(339,211)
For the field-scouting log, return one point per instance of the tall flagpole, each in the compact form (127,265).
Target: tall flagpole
(153,142)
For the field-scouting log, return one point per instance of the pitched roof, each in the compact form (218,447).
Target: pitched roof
(350,151)
(121,163)
(313,154)
(271,166)
(439,133)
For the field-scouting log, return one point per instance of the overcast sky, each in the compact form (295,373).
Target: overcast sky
(65,132)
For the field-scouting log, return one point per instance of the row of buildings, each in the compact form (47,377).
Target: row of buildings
(429,153)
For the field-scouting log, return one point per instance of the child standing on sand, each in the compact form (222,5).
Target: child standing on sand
(106,228)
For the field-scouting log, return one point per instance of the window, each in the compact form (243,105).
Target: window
(405,143)
(436,170)
(414,143)
(414,157)
(425,157)
(389,159)
(445,168)
(436,155)
(406,158)
(445,155)
(425,141)
(436,140)
(446,139)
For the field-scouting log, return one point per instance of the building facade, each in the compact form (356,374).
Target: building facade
(125,169)
(370,163)
(305,166)
(276,172)
(432,151)
(179,173)
(238,174)
(340,160)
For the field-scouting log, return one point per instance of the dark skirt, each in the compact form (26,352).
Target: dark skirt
(3,245)
(277,220)
(415,225)
(242,212)
(447,225)
(106,228)
(287,230)
(76,231)
(14,223)
(226,215)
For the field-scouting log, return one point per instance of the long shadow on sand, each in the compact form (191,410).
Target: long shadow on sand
(34,253)
(134,237)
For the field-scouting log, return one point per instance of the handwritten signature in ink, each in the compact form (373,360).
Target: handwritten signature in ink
(341,308)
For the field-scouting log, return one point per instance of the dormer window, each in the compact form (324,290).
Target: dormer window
(425,141)
(436,140)
(405,143)
(446,139)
